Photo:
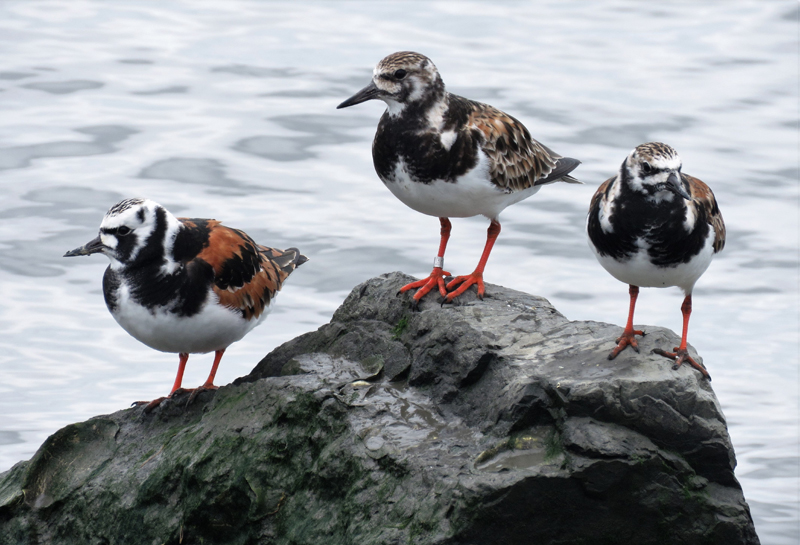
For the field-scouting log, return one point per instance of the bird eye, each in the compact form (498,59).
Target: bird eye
(646,168)
(400,74)
(122,231)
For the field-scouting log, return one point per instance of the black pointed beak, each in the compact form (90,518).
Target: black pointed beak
(92,247)
(674,184)
(367,93)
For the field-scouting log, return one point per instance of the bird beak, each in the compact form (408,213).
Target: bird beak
(674,184)
(92,247)
(367,93)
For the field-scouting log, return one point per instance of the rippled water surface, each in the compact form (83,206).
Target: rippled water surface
(227,110)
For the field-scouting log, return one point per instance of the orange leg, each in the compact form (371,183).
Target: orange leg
(437,276)
(477,275)
(681,354)
(182,359)
(176,387)
(627,337)
(209,383)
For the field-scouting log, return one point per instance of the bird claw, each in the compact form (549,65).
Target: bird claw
(426,285)
(465,282)
(628,338)
(194,392)
(150,405)
(199,390)
(680,356)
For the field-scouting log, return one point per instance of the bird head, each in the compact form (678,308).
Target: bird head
(125,231)
(655,170)
(402,79)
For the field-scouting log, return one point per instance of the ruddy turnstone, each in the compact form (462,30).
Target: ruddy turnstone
(653,226)
(448,156)
(185,285)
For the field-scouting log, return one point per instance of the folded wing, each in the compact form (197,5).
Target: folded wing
(704,198)
(517,160)
(246,275)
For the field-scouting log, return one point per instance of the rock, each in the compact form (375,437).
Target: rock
(494,421)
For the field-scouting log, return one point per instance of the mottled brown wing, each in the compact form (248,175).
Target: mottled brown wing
(703,196)
(517,160)
(246,276)
(600,192)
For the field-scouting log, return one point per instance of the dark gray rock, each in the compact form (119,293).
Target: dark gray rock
(495,421)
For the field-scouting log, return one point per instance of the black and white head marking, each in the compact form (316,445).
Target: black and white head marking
(137,231)
(402,80)
(654,169)
(124,205)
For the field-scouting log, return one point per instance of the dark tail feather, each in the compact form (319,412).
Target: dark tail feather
(287,260)
(570,180)
(560,173)
(299,258)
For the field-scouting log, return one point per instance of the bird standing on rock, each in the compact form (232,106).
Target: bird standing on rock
(185,285)
(652,226)
(448,156)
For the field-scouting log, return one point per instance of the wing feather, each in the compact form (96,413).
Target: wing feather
(246,275)
(517,161)
(704,198)
(598,195)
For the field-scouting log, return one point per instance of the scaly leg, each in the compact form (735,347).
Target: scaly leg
(182,359)
(209,383)
(477,275)
(437,276)
(627,337)
(681,354)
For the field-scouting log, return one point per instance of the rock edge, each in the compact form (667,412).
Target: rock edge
(494,421)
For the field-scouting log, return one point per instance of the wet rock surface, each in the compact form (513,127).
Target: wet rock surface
(494,421)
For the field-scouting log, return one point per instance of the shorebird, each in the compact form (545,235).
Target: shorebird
(185,285)
(451,157)
(653,226)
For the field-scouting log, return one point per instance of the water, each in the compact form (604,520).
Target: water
(227,110)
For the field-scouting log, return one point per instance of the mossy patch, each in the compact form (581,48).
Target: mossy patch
(553,447)
(400,328)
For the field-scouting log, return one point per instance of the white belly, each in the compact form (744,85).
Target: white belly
(472,195)
(213,328)
(638,270)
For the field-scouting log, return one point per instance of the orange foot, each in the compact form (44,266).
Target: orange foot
(150,405)
(435,279)
(682,355)
(627,338)
(197,391)
(466,281)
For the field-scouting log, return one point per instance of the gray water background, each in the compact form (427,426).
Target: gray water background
(227,110)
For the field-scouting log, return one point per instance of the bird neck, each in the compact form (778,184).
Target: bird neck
(648,194)
(425,107)
(155,251)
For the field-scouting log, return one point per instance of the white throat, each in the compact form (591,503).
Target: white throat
(173,228)
(393,107)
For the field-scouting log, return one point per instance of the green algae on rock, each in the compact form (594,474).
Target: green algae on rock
(495,421)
